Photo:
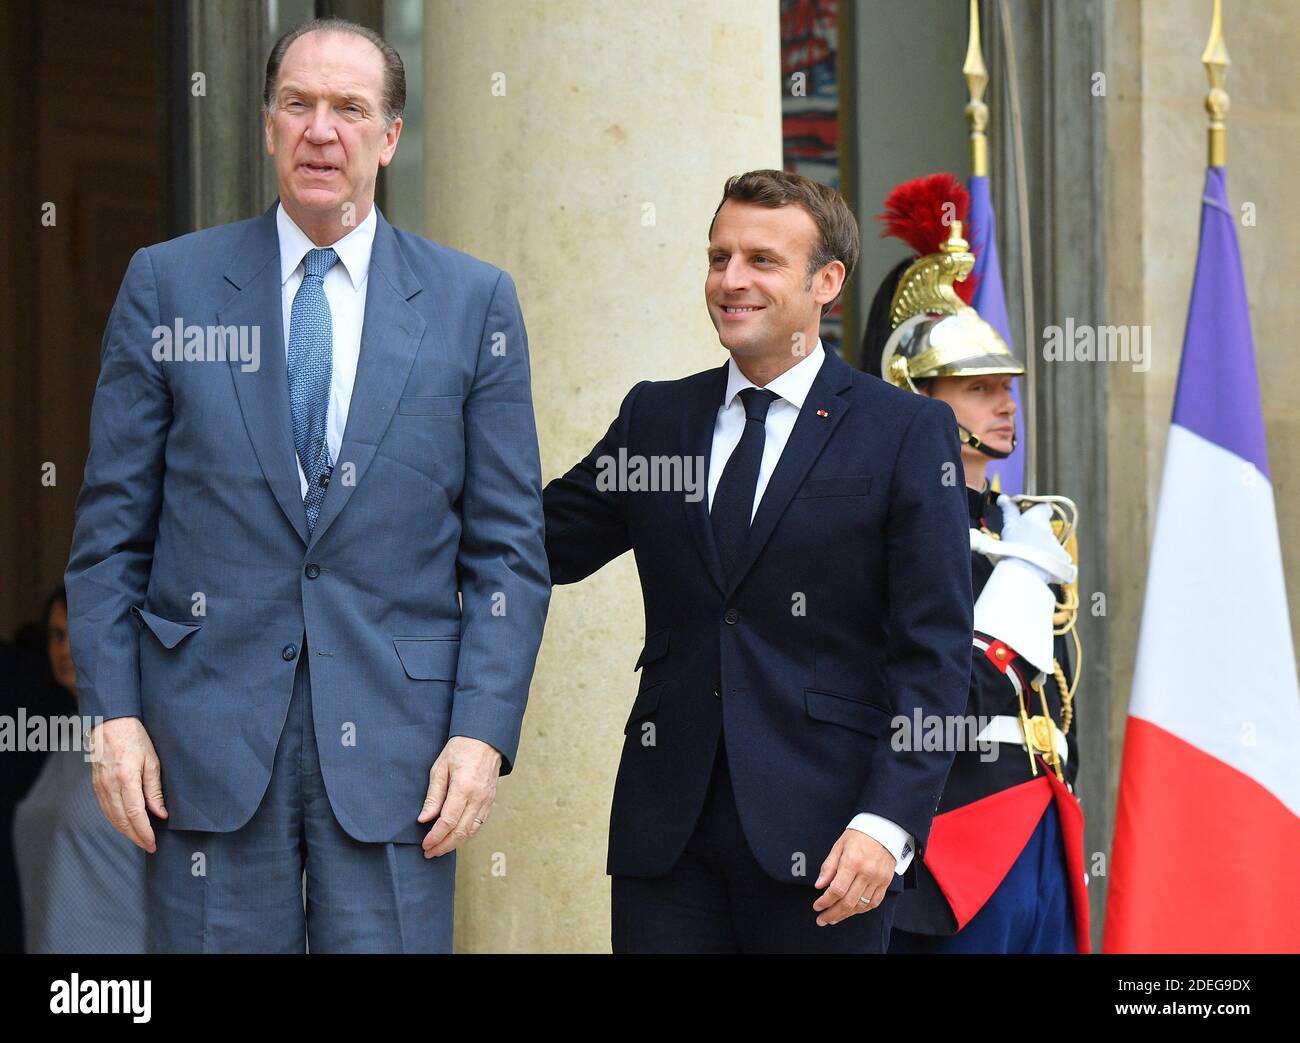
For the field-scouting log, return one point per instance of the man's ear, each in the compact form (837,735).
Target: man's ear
(267,135)
(390,142)
(829,282)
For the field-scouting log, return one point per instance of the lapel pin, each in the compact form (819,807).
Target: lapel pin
(822,413)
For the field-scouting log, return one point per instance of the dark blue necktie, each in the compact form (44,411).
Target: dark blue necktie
(311,363)
(733,500)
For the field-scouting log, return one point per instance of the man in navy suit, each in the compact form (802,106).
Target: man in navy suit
(813,588)
(308,579)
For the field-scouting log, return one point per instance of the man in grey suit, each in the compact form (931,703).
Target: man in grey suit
(308,579)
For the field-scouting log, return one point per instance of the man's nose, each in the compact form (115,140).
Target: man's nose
(735,276)
(320,130)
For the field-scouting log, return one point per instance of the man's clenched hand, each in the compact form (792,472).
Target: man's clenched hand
(858,867)
(128,778)
(462,789)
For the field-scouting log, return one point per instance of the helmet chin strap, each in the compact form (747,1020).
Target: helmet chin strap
(971,439)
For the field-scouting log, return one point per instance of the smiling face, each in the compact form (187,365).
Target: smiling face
(328,133)
(758,289)
(983,406)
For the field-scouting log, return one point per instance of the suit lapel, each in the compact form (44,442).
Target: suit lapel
(391,334)
(264,392)
(810,434)
(699,418)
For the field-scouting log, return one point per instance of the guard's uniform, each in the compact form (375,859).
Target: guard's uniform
(1003,869)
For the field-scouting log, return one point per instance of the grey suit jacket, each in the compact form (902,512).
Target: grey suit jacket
(421,594)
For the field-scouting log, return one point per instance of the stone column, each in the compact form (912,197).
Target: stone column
(583,147)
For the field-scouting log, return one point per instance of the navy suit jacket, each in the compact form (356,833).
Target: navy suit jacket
(863,527)
(421,592)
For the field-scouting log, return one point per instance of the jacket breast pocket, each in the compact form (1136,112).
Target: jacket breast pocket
(430,405)
(428,658)
(847,711)
(838,485)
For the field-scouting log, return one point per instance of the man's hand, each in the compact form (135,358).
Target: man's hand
(128,778)
(858,867)
(462,788)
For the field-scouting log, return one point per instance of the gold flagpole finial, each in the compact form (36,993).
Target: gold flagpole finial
(977,113)
(1216,64)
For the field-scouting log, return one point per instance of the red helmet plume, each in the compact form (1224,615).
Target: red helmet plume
(919,211)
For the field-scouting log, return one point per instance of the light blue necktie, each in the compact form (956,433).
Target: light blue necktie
(311,361)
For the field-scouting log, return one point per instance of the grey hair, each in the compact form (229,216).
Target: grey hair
(394,96)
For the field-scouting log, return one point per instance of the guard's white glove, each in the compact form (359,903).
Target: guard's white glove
(1028,538)
(1016,604)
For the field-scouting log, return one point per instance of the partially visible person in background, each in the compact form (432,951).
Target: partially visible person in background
(81,881)
(1004,871)
(27,689)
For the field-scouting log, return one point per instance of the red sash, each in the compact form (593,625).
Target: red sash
(972,848)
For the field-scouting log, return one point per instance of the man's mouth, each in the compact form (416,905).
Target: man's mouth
(741,309)
(319,168)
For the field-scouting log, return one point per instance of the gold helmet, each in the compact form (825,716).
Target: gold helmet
(934,332)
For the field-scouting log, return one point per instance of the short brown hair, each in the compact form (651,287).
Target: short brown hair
(836,225)
(394,99)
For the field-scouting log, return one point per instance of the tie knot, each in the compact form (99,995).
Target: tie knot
(319,261)
(757,401)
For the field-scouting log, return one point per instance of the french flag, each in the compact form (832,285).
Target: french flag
(1207,836)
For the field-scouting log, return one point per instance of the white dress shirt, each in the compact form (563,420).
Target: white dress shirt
(792,386)
(345,289)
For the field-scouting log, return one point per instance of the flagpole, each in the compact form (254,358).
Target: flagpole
(977,113)
(1216,64)
(1026,260)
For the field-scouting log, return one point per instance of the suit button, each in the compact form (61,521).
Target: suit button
(289,652)
(716,694)
(312,570)
(731,616)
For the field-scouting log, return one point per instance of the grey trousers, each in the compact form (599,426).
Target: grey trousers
(243,891)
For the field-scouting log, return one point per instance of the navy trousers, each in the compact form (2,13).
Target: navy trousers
(243,891)
(718,899)
(1030,911)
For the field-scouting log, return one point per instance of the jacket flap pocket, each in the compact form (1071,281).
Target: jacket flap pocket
(843,485)
(430,405)
(647,702)
(846,710)
(656,647)
(169,633)
(428,658)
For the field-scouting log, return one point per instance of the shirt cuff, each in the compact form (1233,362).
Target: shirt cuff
(891,836)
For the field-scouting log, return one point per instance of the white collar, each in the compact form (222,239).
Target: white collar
(793,385)
(353,249)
